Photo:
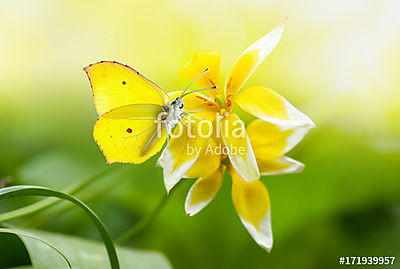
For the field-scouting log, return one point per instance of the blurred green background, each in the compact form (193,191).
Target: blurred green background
(338,62)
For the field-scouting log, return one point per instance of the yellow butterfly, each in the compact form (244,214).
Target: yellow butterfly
(135,115)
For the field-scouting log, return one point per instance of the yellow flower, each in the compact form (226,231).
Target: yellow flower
(270,143)
(257,150)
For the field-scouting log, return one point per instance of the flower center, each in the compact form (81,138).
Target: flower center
(220,101)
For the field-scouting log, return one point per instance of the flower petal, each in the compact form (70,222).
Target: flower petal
(271,141)
(240,151)
(202,192)
(269,106)
(282,165)
(180,154)
(249,60)
(207,162)
(200,62)
(196,103)
(251,201)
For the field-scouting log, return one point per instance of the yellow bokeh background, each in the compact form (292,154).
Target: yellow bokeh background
(338,62)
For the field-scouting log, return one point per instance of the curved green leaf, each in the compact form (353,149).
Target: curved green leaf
(85,254)
(17,191)
(32,236)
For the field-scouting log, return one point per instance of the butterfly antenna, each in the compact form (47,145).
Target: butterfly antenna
(215,87)
(191,83)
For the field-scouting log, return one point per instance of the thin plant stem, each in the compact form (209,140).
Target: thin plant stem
(47,202)
(141,224)
(144,222)
(59,210)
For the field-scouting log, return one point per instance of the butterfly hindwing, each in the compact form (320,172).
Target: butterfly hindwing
(115,85)
(131,134)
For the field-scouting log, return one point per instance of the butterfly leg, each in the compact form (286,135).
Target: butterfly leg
(193,115)
(184,123)
(168,135)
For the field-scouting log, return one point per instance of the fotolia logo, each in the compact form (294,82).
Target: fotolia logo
(199,127)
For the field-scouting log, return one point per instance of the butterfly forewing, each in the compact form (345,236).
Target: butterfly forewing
(132,133)
(115,85)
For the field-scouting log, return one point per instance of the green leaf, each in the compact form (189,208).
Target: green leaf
(17,191)
(85,254)
(30,236)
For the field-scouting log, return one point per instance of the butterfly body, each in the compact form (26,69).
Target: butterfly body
(174,113)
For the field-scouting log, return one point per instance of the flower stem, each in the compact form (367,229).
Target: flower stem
(142,223)
(145,221)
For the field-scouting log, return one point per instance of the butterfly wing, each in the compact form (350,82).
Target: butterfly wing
(131,134)
(116,85)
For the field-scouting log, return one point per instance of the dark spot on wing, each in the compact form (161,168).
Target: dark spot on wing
(124,82)
(129,130)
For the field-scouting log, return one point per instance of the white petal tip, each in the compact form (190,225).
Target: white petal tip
(190,213)
(293,167)
(192,210)
(267,246)
(268,249)
(312,124)
(300,168)
(306,122)
(262,237)
(282,24)
(168,189)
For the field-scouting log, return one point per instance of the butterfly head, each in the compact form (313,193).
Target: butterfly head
(178,102)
